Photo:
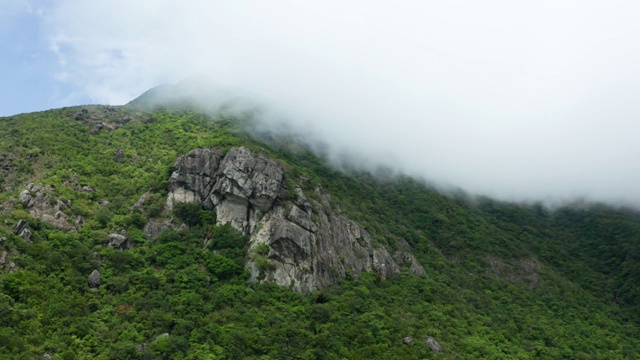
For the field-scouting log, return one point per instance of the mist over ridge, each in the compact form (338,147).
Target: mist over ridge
(534,102)
(200,93)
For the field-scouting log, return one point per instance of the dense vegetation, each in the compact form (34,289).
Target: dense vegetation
(503,280)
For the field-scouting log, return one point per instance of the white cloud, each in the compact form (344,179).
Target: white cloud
(516,100)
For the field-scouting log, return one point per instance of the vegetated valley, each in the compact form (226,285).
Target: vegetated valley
(130,233)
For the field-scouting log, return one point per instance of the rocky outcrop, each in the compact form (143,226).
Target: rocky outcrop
(154,228)
(118,241)
(42,204)
(310,246)
(139,205)
(192,179)
(93,280)
(23,230)
(524,271)
(434,345)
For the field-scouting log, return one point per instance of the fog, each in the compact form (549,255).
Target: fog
(519,101)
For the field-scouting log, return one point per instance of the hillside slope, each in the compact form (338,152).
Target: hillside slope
(99,260)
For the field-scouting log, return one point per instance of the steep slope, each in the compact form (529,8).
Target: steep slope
(131,233)
(309,247)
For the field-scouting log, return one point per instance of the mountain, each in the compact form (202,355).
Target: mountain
(159,230)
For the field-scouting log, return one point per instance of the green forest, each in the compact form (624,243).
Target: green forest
(502,280)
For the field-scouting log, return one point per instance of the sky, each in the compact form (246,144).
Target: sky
(523,101)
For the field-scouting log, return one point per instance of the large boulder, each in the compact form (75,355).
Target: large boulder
(22,229)
(434,345)
(25,197)
(118,241)
(93,280)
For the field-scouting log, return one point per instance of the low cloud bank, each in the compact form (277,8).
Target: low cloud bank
(516,101)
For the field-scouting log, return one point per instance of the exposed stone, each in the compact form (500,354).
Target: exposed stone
(118,241)
(23,230)
(94,279)
(154,227)
(408,340)
(164,335)
(2,240)
(139,205)
(106,126)
(3,258)
(46,207)
(404,258)
(244,181)
(193,178)
(12,267)
(87,189)
(47,357)
(118,155)
(434,345)
(26,234)
(524,271)
(310,247)
(21,226)
(103,203)
(25,197)
(301,218)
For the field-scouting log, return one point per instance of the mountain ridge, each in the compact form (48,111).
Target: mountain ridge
(501,280)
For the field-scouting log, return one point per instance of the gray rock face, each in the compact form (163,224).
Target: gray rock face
(118,241)
(139,205)
(434,345)
(408,340)
(43,205)
(94,279)
(154,228)
(524,271)
(47,357)
(21,226)
(194,176)
(26,234)
(25,197)
(23,230)
(245,189)
(310,246)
